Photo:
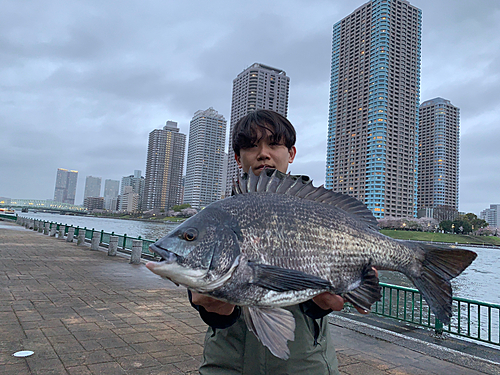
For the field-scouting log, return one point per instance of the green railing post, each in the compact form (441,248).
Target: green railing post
(438,327)
(124,241)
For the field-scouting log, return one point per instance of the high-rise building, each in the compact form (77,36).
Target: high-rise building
(164,165)
(92,187)
(65,189)
(204,169)
(128,200)
(491,215)
(374,99)
(137,182)
(111,191)
(93,203)
(438,159)
(257,87)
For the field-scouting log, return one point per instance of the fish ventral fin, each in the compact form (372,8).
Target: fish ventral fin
(273,181)
(367,293)
(440,265)
(284,280)
(274,327)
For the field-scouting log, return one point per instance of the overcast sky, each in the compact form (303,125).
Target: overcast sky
(82,83)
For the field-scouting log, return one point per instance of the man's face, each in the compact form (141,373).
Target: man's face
(265,154)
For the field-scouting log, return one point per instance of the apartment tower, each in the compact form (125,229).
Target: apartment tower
(257,87)
(204,170)
(438,160)
(111,191)
(65,189)
(137,182)
(374,98)
(92,187)
(491,215)
(164,165)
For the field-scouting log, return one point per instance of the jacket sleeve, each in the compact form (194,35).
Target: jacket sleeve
(313,311)
(215,320)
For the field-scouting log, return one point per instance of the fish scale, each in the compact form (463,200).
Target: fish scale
(279,241)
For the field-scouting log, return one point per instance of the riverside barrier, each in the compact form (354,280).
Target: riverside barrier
(473,320)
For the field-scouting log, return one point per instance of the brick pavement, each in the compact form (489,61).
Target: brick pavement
(82,312)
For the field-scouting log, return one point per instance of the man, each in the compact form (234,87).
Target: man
(265,139)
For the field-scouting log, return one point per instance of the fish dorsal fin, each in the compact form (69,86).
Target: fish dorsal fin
(273,181)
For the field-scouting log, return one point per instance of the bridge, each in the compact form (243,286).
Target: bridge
(42,205)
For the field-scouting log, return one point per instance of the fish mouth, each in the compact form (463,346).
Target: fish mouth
(165,255)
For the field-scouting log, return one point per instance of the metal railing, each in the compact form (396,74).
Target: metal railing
(124,241)
(8,217)
(472,319)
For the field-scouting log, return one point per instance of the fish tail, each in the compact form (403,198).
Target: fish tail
(440,264)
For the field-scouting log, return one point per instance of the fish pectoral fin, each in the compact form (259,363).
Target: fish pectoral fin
(272,326)
(367,293)
(284,280)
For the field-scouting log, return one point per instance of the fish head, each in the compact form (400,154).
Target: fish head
(201,253)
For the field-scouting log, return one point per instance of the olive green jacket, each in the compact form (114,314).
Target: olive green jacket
(236,350)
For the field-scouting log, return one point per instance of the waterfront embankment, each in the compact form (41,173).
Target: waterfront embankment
(462,239)
(81,311)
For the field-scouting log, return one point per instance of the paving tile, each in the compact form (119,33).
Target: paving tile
(134,362)
(16,369)
(90,345)
(362,369)
(78,370)
(162,370)
(134,338)
(109,368)
(190,365)
(121,351)
(37,364)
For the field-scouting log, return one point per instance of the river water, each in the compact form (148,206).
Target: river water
(478,282)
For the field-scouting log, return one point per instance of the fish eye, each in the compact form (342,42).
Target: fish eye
(190,234)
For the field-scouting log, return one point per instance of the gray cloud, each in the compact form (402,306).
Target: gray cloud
(83,83)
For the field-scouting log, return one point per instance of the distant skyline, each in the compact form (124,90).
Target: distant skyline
(83,83)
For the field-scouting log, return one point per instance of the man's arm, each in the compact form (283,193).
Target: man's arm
(329,301)
(215,313)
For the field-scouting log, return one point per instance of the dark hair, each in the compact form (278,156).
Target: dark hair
(245,131)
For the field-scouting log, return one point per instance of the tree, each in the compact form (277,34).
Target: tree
(462,226)
(442,213)
(180,207)
(470,223)
(446,226)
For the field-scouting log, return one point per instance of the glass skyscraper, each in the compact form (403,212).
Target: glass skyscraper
(65,189)
(438,161)
(374,99)
(204,170)
(164,165)
(257,87)
(92,187)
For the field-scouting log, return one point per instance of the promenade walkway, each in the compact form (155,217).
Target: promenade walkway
(82,312)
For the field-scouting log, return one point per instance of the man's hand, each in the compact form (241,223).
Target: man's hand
(211,304)
(330,301)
